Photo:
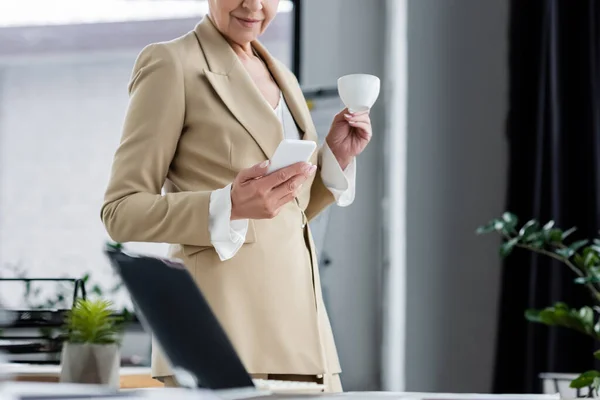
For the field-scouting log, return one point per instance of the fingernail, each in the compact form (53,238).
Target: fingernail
(307,167)
(313,169)
(347,115)
(264,164)
(352,122)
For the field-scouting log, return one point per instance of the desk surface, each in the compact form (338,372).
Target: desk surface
(131,377)
(139,378)
(75,392)
(54,370)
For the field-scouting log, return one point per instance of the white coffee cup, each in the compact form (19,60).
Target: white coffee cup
(359,91)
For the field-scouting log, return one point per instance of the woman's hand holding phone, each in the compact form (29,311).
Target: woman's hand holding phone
(260,191)
(255,194)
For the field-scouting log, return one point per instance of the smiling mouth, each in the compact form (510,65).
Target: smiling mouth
(247,22)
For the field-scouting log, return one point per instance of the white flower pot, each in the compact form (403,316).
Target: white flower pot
(90,363)
(559,383)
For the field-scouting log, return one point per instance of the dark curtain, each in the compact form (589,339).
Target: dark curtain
(553,131)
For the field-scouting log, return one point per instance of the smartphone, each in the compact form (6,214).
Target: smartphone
(291,151)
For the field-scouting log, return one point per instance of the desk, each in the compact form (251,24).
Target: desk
(446,396)
(81,392)
(131,377)
(140,378)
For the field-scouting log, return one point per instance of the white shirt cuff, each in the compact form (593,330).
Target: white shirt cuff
(342,184)
(226,236)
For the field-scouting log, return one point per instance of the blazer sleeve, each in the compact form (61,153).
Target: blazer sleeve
(134,209)
(320,196)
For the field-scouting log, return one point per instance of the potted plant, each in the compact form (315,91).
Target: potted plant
(90,353)
(582,257)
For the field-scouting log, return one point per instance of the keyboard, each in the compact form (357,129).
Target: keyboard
(277,386)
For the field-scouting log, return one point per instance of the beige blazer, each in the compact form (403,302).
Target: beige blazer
(195,119)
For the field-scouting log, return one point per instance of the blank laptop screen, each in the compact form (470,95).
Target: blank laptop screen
(170,304)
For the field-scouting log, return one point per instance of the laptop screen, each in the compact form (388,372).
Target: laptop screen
(171,306)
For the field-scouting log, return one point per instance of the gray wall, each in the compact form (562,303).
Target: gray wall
(456,165)
(331,47)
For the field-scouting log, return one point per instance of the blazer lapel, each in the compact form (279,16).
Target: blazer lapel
(236,89)
(291,91)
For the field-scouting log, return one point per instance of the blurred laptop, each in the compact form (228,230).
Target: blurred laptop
(171,306)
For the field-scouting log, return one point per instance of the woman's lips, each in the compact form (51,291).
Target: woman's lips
(248,23)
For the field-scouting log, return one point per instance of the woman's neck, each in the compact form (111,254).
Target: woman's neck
(243,51)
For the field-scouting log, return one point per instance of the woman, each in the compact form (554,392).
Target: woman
(203,108)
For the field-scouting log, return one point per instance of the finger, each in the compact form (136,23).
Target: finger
(357,117)
(364,128)
(256,171)
(357,113)
(340,116)
(291,186)
(286,199)
(283,175)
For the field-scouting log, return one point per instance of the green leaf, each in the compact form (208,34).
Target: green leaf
(551,317)
(565,253)
(529,227)
(533,315)
(510,221)
(555,235)
(534,237)
(597,354)
(510,218)
(587,315)
(583,280)
(568,233)
(590,258)
(548,226)
(578,245)
(97,290)
(507,247)
(560,315)
(489,227)
(584,380)
(499,225)
(592,275)
(597,329)
(115,245)
(537,244)
(579,260)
